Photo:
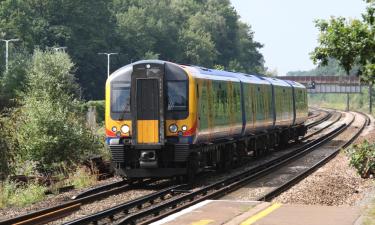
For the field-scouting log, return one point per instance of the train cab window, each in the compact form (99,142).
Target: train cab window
(120,98)
(177,95)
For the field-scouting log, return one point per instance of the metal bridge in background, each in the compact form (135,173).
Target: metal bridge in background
(328,84)
(331,84)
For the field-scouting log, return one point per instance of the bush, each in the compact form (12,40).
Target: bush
(12,83)
(13,194)
(82,177)
(362,158)
(50,127)
(100,109)
(4,151)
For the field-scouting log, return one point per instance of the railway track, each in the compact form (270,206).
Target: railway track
(182,197)
(53,213)
(336,117)
(300,176)
(60,211)
(327,115)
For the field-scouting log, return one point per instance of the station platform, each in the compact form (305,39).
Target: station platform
(229,212)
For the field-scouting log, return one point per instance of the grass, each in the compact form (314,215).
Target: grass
(13,194)
(81,178)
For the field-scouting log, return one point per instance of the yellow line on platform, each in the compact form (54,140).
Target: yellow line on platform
(261,214)
(202,222)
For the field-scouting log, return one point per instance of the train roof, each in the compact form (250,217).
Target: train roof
(295,84)
(204,73)
(277,82)
(220,74)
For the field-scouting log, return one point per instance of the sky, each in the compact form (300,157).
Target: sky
(287,30)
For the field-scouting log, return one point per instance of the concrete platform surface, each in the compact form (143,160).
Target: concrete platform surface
(214,212)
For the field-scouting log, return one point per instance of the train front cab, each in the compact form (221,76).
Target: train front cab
(149,119)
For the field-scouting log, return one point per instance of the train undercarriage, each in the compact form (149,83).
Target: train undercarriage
(173,159)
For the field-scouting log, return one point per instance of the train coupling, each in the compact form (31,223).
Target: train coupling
(148,159)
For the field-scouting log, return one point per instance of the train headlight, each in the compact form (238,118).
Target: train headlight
(114,129)
(125,129)
(184,128)
(173,128)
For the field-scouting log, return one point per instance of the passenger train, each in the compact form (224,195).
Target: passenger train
(165,120)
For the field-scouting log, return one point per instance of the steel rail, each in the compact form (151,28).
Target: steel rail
(100,189)
(322,128)
(222,187)
(315,123)
(62,210)
(278,190)
(127,206)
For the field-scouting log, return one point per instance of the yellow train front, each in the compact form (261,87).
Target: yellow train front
(165,119)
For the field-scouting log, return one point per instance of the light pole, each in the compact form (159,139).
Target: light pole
(108,59)
(7,51)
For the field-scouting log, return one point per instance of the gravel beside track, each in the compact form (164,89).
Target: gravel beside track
(116,199)
(334,184)
(103,204)
(49,201)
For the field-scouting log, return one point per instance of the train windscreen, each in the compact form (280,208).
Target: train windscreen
(177,100)
(120,98)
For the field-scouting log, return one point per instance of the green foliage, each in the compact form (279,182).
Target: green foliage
(70,23)
(198,47)
(219,67)
(340,39)
(99,107)
(351,42)
(151,55)
(50,126)
(333,68)
(12,83)
(81,178)
(235,66)
(4,151)
(362,157)
(206,33)
(13,194)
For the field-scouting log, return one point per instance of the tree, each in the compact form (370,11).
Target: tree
(340,39)
(12,83)
(185,31)
(84,27)
(350,42)
(367,56)
(50,126)
(333,68)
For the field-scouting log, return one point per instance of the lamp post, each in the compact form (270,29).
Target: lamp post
(108,59)
(7,51)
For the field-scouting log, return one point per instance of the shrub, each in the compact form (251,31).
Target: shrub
(82,177)
(13,194)
(4,151)
(100,109)
(362,158)
(50,127)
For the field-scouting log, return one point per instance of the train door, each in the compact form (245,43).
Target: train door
(148,108)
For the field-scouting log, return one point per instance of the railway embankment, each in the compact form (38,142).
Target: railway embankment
(338,183)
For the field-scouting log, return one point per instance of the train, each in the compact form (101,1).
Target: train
(165,119)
